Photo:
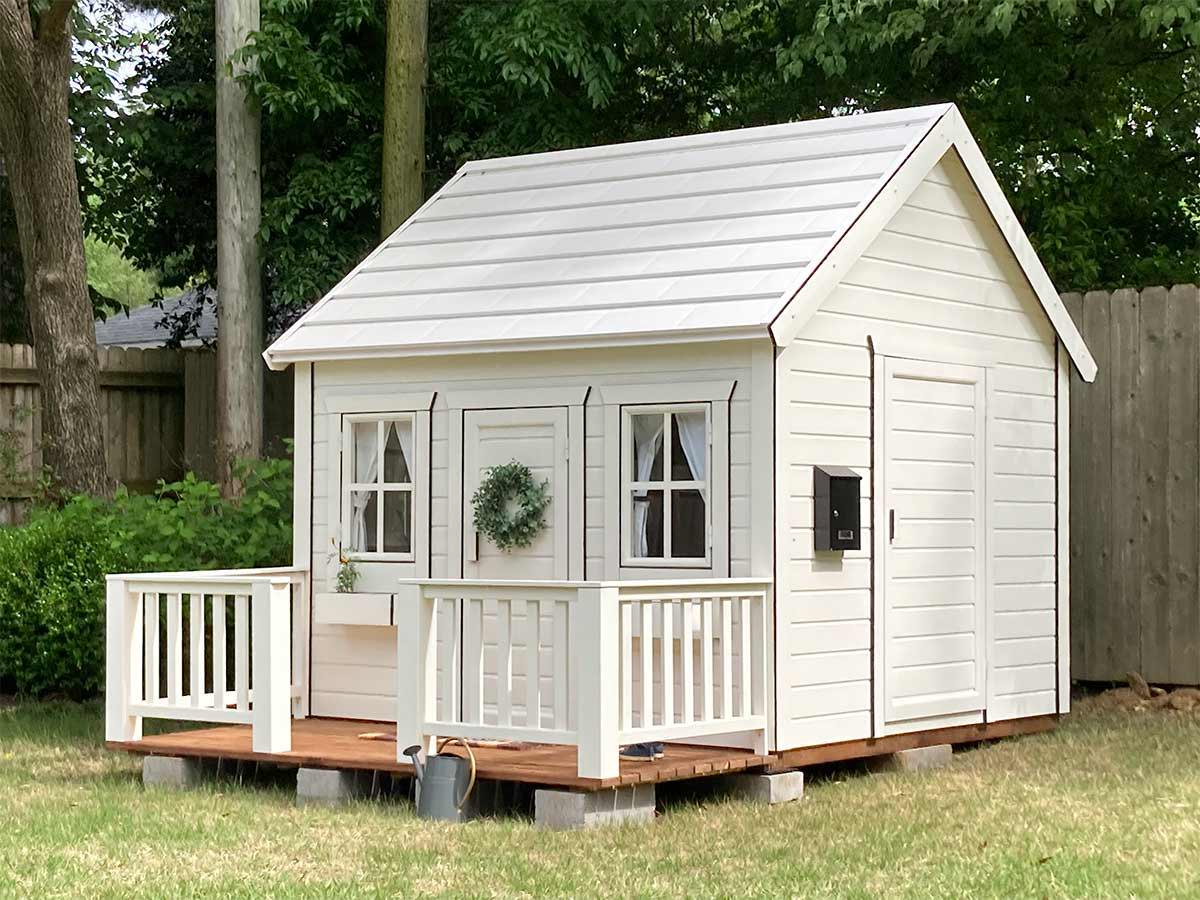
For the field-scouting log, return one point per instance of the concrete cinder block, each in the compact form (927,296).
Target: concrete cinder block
(561,810)
(170,772)
(917,759)
(331,787)
(768,788)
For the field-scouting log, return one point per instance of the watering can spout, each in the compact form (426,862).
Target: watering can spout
(414,753)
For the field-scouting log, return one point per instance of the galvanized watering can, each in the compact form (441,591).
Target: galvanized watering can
(445,783)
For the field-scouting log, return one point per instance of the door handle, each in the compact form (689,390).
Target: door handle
(891,525)
(473,547)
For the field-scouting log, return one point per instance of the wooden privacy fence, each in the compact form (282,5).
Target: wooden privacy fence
(158,414)
(1135,487)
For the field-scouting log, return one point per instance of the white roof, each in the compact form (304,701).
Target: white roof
(687,238)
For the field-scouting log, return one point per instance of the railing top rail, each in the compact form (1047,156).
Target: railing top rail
(661,583)
(215,576)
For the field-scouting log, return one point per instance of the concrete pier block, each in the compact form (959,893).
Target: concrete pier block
(758,787)
(562,810)
(916,760)
(170,772)
(331,787)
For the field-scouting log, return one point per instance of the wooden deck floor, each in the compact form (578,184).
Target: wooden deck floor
(337,744)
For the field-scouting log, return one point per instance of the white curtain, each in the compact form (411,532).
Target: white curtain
(692,438)
(647,444)
(404,434)
(366,471)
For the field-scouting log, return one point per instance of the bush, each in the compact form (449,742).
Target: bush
(52,569)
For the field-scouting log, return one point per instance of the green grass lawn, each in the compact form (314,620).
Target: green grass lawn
(1107,806)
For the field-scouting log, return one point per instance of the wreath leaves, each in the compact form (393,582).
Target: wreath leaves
(503,487)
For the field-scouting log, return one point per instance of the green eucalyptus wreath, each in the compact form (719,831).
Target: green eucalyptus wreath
(509,505)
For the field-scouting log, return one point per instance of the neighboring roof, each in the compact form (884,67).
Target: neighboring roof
(142,327)
(691,238)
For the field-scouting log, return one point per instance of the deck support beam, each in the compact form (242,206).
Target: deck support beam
(331,787)
(917,759)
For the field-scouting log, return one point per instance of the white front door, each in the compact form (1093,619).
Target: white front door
(934,574)
(536,437)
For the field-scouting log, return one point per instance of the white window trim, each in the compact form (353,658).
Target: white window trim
(347,486)
(666,485)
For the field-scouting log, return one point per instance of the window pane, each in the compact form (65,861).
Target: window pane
(397,522)
(647,528)
(363,521)
(689,521)
(366,457)
(396,451)
(689,446)
(647,447)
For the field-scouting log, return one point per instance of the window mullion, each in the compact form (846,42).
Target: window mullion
(667,441)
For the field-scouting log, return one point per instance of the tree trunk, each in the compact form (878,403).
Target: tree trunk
(239,268)
(404,112)
(38,149)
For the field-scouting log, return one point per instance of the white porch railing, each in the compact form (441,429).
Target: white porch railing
(246,635)
(593,664)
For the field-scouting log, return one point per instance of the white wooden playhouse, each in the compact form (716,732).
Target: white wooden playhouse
(682,337)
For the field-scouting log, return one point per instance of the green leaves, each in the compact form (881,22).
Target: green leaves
(52,570)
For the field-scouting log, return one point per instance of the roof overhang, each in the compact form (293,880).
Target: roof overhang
(279,360)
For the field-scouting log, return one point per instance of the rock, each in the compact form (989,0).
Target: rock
(1183,701)
(1138,685)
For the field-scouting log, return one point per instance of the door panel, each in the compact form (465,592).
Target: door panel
(537,438)
(934,449)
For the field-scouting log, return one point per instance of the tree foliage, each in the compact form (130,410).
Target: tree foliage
(1087,110)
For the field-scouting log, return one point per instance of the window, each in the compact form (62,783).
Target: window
(377,474)
(667,520)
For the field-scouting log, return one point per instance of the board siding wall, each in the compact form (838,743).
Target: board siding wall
(353,667)
(939,280)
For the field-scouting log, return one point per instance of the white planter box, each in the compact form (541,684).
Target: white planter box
(352,609)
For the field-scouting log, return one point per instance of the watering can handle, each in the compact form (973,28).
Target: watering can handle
(471,756)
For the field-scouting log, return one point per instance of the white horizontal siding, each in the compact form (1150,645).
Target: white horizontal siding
(353,668)
(940,280)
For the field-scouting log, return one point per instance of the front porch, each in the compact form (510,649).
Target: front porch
(569,671)
(339,744)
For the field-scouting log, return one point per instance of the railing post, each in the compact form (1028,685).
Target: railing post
(597,659)
(416,669)
(271,633)
(123,661)
(301,627)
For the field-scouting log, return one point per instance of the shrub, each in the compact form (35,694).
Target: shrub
(52,569)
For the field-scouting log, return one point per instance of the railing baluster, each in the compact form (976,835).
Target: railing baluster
(744,633)
(196,643)
(504,662)
(456,658)
(559,657)
(174,648)
(472,660)
(668,662)
(150,665)
(706,660)
(726,658)
(626,639)
(687,648)
(241,651)
(219,675)
(647,654)
(533,674)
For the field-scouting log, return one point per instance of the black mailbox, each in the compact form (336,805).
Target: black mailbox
(836,492)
